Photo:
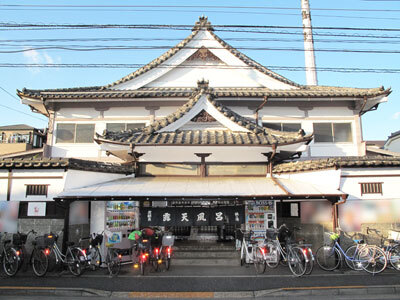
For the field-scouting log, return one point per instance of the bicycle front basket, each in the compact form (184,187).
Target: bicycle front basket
(271,233)
(98,240)
(19,239)
(168,240)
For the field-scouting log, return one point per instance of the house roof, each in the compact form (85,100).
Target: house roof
(17,127)
(336,163)
(394,134)
(64,163)
(108,91)
(253,135)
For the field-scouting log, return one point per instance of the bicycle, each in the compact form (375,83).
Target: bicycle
(18,243)
(292,255)
(113,260)
(256,255)
(360,256)
(74,258)
(93,252)
(166,249)
(392,250)
(9,257)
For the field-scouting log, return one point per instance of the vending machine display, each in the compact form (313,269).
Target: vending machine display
(121,219)
(260,215)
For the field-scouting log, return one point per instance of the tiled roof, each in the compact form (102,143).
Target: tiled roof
(337,162)
(304,92)
(17,127)
(64,163)
(257,135)
(394,134)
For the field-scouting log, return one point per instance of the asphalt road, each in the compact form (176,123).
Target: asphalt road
(202,279)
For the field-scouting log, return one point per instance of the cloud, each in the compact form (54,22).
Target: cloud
(36,57)
(396,115)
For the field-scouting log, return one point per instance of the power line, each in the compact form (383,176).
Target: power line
(5,91)
(180,27)
(196,6)
(112,48)
(123,66)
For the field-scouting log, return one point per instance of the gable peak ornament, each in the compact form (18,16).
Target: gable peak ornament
(203,117)
(202,23)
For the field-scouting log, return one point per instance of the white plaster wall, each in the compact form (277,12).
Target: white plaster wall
(77,113)
(127,112)
(331,149)
(273,112)
(343,111)
(3,184)
(18,188)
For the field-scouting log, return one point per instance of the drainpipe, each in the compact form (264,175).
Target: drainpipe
(259,108)
(335,211)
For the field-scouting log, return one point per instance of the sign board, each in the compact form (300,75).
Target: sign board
(36,209)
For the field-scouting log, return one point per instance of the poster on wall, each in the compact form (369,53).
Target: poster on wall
(36,209)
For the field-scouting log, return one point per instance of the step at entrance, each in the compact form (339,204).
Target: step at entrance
(205,254)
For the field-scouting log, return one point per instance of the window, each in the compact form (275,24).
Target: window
(36,190)
(123,126)
(288,209)
(291,127)
(371,188)
(75,133)
(332,133)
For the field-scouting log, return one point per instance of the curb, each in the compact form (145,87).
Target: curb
(282,292)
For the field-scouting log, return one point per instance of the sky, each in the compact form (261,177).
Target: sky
(356,45)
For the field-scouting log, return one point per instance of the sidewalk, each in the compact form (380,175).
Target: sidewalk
(205,282)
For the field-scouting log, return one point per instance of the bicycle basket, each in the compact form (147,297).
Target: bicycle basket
(46,240)
(144,244)
(98,240)
(168,240)
(19,239)
(271,234)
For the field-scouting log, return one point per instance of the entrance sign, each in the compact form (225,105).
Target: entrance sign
(191,216)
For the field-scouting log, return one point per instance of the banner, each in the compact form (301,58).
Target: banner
(191,216)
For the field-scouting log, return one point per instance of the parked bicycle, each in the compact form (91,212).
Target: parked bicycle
(370,258)
(74,258)
(93,251)
(251,251)
(8,257)
(18,243)
(285,251)
(391,248)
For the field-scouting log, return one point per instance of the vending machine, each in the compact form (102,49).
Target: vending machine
(121,219)
(260,215)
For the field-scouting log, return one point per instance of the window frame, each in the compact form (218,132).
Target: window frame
(74,133)
(126,124)
(36,190)
(371,188)
(332,130)
(281,125)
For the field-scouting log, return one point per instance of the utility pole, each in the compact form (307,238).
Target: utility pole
(311,73)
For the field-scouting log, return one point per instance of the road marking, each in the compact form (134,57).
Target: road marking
(153,295)
(27,288)
(325,287)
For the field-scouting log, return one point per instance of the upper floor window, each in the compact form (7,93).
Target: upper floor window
(371,188)
(292,127)
(75,133)
(123,126)
(36,190)
(332,133)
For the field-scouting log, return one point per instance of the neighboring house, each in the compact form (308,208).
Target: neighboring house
(209,133)
(393,142)
(20,138)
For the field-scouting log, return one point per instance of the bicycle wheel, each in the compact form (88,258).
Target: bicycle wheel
(40,262)
(297,261)
(167,263)
(95,258)
(113,262)
(259,262)
(374,260)
(310,262)
(273,252)
(10,261)
(74,261)
(394,257)
(328,258)
(351,258)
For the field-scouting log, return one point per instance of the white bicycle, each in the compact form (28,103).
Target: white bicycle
(251,252)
